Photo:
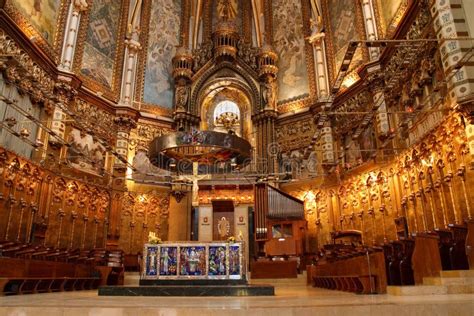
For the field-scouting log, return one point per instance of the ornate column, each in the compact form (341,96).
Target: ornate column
(450,22)
(182,73)
(125,121)
(327,146)
(132,47)
(370,27)
(72,27)
(376,85)
(317,40)
(264,120)
(63,95)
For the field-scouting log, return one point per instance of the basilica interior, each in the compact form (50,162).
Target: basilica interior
(306,156)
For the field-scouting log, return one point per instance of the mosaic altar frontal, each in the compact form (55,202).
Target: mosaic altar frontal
(194,260)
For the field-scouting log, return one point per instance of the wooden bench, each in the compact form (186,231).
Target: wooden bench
(26,285)
(360,284)
(360,273)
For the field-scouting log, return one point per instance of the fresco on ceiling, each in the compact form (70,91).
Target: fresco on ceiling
(101,42)
(342,29)
(289,44)
(84,153)
(162,41)
(388,11)
(41,14)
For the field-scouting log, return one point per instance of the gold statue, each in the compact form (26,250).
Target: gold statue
(153,239)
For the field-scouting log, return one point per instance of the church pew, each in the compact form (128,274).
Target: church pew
(355,273)
(11,286)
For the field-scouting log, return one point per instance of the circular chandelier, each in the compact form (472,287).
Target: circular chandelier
(227,119)
(213,151)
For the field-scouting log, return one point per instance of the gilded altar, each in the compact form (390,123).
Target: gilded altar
(194,260)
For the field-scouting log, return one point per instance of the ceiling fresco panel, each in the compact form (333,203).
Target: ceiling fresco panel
(289,44)
(164,30)
(100,47)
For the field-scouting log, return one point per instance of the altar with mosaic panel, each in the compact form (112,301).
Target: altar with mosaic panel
(194,260)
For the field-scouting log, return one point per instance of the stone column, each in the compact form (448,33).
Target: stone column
(132,47)
(125,122)
(376,85)
(265,119)
(450,23)
(370,27)
(77,7)
(64,94)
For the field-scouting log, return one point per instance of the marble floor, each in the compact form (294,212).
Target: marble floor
(292,298)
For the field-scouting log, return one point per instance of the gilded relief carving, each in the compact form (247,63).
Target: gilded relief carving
(295,134)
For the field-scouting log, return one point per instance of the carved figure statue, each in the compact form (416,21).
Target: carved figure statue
(223,227)
(181,97)
(270,94)
(317,30)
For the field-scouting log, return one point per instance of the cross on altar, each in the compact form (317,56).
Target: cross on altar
(195,178)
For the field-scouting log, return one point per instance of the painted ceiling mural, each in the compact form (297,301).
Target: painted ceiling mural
(289,43)
(389,11)
(41,14)
(101,42)
(342,29)
(162,41)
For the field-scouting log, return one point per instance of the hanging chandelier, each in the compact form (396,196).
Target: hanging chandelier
(227,119)
(213,151)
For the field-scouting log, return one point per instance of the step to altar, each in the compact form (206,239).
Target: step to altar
(450,282)
(192,282)
(188,290)
(300,280)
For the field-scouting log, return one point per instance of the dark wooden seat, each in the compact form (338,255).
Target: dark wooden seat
(25,285)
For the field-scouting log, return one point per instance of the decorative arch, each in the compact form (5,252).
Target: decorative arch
(249,84)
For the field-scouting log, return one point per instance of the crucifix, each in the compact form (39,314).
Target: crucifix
(195,178)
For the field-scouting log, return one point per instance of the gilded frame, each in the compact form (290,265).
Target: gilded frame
(142,57)
(113,93)
(388,30)
(52,51)
(331,55)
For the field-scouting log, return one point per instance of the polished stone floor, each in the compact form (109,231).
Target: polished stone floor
(292,298)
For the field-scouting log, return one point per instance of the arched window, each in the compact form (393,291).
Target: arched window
(225,107)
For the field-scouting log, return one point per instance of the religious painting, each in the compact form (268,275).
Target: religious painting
(41,14)
(390,13)
(223,224)
(228,10)
(343,26)
(163,38)
(217,260)
(100,47)
(289,43)
(168,261)
(85,153)
(234,260)
(151,261)
(192,260)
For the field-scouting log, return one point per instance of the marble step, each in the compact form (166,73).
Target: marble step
(448,281)
(131,278)
(458,274)
(300,280)
(415,290)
